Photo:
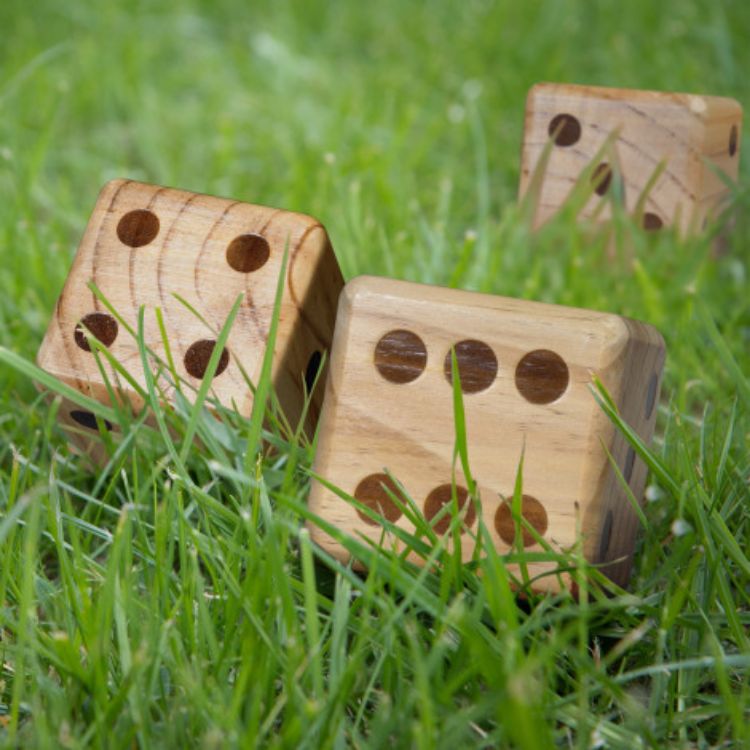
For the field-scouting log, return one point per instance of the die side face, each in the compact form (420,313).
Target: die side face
(525,371)
(146,245)
(691,138)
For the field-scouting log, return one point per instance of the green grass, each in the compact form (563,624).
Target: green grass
(173,600)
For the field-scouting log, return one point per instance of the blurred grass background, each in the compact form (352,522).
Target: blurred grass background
(399,126)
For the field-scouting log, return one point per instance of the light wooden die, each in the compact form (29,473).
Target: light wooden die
(697,138)
(145,244)
(526,370)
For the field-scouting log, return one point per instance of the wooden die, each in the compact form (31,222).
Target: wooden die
(526,369)
(694,139)
(144,246)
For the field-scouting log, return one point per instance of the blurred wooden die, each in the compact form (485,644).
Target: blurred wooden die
(689,143)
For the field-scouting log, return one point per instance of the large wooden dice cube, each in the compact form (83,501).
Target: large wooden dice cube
(146,246)
(694,139)
(526,371)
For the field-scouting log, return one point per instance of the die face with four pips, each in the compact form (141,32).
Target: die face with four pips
(694,139)
(145,246)
(525,369)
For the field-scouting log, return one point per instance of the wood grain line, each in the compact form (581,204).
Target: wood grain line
(661,125)
(309,322)
(295,251)
(160,267)
(204,244)
(98,241)
(68,344)
(587,156)
(133,251)
(235,377)
(630,189)
(668,173)
(69,352)
(252,309)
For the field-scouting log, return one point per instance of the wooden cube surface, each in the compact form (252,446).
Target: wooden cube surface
(688,144)
(526,369)
(149,246)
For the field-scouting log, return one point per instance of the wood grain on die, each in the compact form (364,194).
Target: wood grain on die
(636,393)
(372,424)
(400,356)
(695,139)
(476,363)
(146,245)
(441,499)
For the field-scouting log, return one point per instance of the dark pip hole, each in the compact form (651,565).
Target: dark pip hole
(87,419)
(372,493)
(198,356)
(138,228)
(606,536)
(601,178)
(733,140)
(653,384)
(312,369)
(651,222)
(531,510)
(565,130)
(100,325)
(400,356)
(442,496)
(248,252)
(627,472)
(542,376)
(477,365)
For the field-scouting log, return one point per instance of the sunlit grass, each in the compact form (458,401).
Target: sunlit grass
(174,598)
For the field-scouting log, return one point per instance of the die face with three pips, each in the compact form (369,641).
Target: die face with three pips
(689,145)
(145,246)
(525,370)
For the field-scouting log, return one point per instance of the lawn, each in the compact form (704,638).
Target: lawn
(173,599)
